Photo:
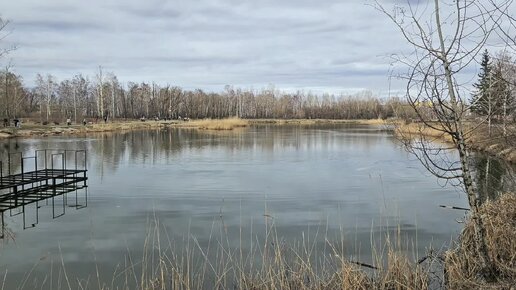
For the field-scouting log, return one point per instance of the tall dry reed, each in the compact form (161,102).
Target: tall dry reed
(462,265)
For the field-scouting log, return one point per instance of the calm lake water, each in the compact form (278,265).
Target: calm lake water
(324,182)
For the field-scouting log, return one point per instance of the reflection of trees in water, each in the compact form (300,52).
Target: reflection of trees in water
(493,176)
(28,147)
(153,146)
(108,150)
(8,145)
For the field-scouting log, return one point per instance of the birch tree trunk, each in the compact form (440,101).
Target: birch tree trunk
(473,197)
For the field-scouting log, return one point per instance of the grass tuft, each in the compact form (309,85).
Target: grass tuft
(462,264)
(219,124)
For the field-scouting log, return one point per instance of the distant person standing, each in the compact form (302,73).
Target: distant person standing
(68,122)
(16,123)
(84,122)
(6,122)
(105,119)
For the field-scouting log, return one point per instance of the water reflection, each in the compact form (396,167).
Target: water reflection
(319,182)
(492,176)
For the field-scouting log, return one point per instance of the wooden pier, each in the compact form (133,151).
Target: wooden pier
(27,181)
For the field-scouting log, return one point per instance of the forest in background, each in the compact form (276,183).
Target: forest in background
(105,96)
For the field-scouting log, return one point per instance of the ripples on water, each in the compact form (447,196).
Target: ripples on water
(319,181)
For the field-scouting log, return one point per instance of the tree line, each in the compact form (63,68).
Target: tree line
(493,98)
(104,96)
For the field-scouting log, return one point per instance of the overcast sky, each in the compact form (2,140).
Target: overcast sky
(323,46)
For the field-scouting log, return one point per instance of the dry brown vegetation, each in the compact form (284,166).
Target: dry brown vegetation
(276,265)
(411,130)
(272,263)
(316,121)
(218,124)
(462,263)
(497,144)
(31,129)
(477,139)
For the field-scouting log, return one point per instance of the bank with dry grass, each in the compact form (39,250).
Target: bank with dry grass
(38,130)
(228,124)
(272,263)
(217,124)
(477,138)
(495,143)
(316,121)
(462,262)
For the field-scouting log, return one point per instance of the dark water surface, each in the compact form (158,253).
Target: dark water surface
(350,181)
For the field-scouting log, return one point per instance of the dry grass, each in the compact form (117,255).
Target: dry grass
(496,144)
(276,265)
(462,262)
(412,130)
(270,263)
(30,130)
(477,137)
(403,274)
(273,264)
(316,121)
(33,129)
(219,124)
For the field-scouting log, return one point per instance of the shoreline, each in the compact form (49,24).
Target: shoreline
(37,130)
(478,140)
(494,146)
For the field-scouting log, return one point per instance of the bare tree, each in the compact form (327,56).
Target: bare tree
(3,34)
(505,69)
(100,93)
(46,89)
(12,93)
(80,94)
(114,93)
(446,37)
(8,103)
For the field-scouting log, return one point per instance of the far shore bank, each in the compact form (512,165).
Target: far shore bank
(495,145)
(478,139)
(28,130)
(38,130)
(316,121)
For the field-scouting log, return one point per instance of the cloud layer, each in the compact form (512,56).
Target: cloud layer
(332,45)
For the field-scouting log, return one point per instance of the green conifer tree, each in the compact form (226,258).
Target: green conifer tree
(481,98)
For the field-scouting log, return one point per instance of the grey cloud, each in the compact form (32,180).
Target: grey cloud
(147,13)
(294,44)
(56,26)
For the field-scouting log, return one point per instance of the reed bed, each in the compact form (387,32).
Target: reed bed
(411,130)
(30,130)
(270,263)
(462,264)
(219,124)
(477,137)
(317,121)
(273,263)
